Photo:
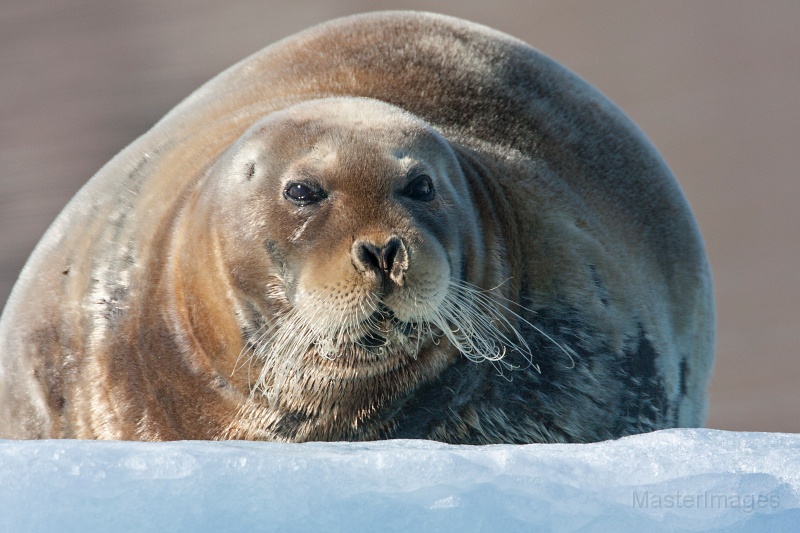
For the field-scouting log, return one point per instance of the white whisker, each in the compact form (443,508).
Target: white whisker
(481,324)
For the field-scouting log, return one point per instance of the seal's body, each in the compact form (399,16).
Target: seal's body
(391,225)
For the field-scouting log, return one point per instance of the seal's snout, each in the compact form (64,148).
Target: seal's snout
(388,260)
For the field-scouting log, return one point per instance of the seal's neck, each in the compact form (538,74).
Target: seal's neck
(204,300)
(499,233)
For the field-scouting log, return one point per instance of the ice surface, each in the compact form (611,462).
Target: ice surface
(694,480)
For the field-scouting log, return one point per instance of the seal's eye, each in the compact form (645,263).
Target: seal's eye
(302,194)
(421,189)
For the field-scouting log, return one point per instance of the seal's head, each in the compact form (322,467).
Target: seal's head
(350,236)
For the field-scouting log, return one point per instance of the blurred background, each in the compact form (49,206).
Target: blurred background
(714,84)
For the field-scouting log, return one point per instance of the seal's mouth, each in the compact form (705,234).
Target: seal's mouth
(383,328)
(372,341)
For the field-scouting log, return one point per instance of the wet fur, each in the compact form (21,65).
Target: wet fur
(131,320)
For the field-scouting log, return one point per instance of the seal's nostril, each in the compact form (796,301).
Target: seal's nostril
(390,253)
(367,255)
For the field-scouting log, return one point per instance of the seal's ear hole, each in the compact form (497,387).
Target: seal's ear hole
(250,170)
(420,189)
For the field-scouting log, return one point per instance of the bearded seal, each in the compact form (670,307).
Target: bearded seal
(394,225)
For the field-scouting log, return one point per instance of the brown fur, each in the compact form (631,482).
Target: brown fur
(145,312)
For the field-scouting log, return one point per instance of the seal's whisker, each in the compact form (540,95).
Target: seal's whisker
(253,346)
(284,349)
(245,348)
(479,323)
(476,338)
(483,294)
(480,320)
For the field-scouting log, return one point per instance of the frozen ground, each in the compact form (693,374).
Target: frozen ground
(674,480)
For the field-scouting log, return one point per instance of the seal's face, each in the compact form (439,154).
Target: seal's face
(346,222)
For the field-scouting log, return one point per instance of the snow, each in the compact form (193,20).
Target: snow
(688,479)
